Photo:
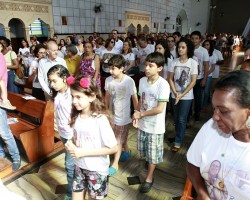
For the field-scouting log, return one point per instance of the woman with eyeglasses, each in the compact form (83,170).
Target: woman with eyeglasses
(39,52)
(90,63)
(105,55)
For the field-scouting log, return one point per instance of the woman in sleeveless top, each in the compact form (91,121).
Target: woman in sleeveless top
(90,63)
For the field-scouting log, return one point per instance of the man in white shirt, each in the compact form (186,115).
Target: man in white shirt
(203,60)
(46,63)
(118,43)
(144,50)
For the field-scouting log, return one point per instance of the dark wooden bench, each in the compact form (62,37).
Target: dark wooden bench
(35,126)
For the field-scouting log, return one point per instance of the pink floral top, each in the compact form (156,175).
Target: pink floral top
(87,68)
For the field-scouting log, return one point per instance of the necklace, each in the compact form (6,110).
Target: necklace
(223,155)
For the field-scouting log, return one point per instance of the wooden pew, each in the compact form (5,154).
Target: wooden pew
(35,126)
(188,190)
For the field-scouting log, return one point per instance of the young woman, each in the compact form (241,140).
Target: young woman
(61,44)
(24,51)
(57,76)
(90,63)
(162,47)
(209,45)
(129,56)
(93,139)
(182,78)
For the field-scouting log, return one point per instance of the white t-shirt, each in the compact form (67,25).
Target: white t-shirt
(202,54)
(218,56)
(23,51)
(120,96)
(33,66)
(150,95)
(129,57)
(105,56)
(166,69)
(44,65)
(118,46)
(63,106)
(221,159)
(91,134)
(212,60)
(142,54)
(183,76)
(99,50)
(174,53)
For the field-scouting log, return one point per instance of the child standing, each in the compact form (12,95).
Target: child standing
(119,89)
(93,139)
(150,116)
(57,76)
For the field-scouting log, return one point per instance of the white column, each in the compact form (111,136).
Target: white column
(96,23)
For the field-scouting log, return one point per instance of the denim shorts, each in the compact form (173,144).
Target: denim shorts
(150,146)
(93,182)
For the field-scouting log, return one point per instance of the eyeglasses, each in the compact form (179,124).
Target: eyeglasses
(170,40)
(41,52)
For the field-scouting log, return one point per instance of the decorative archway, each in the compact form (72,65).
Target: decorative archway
(182,22)
(138,20)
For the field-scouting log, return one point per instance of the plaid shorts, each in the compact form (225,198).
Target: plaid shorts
(121,133)
(93,182)
(150,146)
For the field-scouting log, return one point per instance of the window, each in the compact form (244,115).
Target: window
(64,20)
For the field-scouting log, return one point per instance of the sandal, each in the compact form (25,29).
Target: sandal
(175,149)
(112,171)
(125,155)
(7,105)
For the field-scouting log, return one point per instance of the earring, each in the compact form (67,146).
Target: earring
(248,122)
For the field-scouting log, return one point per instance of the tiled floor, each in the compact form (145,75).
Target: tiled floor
(45,183)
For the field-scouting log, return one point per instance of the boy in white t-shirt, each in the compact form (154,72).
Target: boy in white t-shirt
(150,116)
(119,89)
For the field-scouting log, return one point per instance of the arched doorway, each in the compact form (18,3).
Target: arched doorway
(2,32)
(139,31)
(17,33)
(182,22)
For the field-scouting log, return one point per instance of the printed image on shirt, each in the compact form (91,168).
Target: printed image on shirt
(182,75)
(148,101)
(212,175)
(106,58)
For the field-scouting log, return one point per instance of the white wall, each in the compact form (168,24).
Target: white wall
(199,13)
(81,16)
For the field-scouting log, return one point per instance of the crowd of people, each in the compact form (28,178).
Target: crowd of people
(93,82)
